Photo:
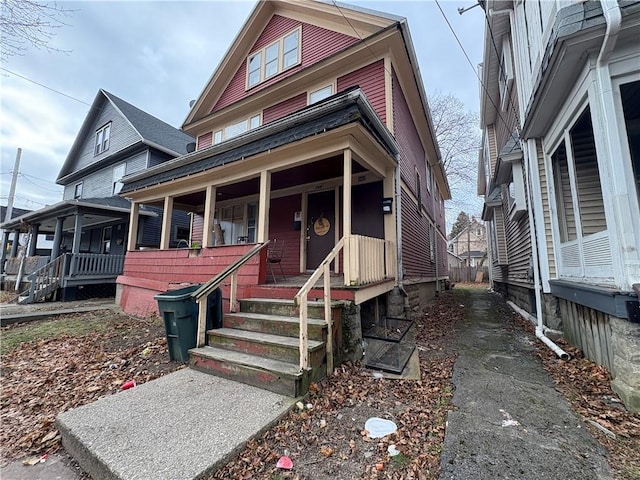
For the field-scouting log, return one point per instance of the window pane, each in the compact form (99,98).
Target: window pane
(320,94)
(217,137)
(254,77)
(290,59)
(255,64)
(271,68)
(588,186)
(566,218)
(271,53)
(254,122)
(235,129)
(107,135)
(291,42)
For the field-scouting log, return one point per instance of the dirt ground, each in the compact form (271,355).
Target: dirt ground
(45,375)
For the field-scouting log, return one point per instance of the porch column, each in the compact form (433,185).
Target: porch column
(132,239)
(33,241)
(75,248)
(346,216)
(263,206)
(14,244)
(388,191)
(57,238)
(3,254)
(165,237)
(209,213)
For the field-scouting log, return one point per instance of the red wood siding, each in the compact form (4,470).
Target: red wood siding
(412,153)
(205,140)
(177,266)
(283,109)
(416,260)
(317,44)
(281,228)
(371,81)
(197,228)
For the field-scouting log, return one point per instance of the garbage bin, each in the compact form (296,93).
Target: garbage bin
(180,313)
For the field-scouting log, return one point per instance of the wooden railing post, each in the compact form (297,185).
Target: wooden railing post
(328,316)
(234,292)
(304,342)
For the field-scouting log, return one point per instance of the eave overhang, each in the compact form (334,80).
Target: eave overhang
(344,108)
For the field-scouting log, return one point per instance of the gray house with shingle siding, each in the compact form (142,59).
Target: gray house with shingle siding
(91,222)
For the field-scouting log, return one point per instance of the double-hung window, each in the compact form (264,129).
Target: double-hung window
(77,192)
(118,173)
(103,135)
(274,58)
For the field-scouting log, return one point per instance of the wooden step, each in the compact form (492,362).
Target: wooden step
(275,324)
(274,306)
(265,345)
(274,375)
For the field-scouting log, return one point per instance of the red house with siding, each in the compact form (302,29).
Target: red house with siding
(314,140)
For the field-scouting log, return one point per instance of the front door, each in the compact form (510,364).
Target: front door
(321,225)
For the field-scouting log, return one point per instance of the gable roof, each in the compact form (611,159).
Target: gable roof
(15,212)
(354,21)
(347,19)
(151,130)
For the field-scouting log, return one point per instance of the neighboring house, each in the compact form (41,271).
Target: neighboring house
(89,226)
(314,133)
(454,261)
(473,238)
(561,171)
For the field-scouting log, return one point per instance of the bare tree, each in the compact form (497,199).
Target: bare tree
(458,136)
(29,22)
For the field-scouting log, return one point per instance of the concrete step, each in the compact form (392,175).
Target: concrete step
(275,324)
(265,345)
(270,374)
(287,308)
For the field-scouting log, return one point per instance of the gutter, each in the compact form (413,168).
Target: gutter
(540,327)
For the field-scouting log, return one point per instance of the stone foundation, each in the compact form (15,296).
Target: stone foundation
(625,337)
(419,295)
(352,332)
(525,298)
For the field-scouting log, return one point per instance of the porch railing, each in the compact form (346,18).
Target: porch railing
(200,295)
(324,270)
(96,264)
(370,260)
(45,280)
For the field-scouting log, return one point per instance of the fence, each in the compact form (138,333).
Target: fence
(469,274)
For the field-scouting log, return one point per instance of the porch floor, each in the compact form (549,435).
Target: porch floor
(298,281)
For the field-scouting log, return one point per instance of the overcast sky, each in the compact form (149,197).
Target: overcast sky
(158,56)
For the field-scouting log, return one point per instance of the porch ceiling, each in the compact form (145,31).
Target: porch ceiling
(325,169)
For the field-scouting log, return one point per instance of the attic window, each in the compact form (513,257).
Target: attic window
(103,136)
(275,58)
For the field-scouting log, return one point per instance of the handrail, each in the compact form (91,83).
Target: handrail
(200,295)
(301,302)
(43,275)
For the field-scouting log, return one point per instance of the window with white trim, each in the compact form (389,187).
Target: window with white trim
(238,223)
(320,94)
(118,173)
(103,136)
(505,78)
(77,191)
(237,128)
(576,178)
(274,58)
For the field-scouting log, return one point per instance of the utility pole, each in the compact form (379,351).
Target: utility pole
(469,243)
(8,213)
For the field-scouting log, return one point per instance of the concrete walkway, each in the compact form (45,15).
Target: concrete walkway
(509,421)
(179,426)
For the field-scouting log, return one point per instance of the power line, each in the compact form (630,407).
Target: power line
(38,178)
(484,87)
(44,86)
(39,186)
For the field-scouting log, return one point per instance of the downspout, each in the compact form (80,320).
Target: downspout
(399,274)
(613,17)
(540,327)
